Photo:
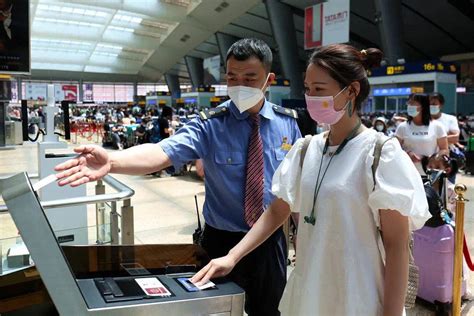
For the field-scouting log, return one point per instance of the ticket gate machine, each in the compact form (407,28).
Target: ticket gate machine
(108,280)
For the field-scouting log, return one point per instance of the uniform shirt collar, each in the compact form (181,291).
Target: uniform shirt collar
(266,111)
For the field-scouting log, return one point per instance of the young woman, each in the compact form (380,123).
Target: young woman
(353,242)
(421,136)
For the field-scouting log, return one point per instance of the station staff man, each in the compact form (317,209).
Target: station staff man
(241,143)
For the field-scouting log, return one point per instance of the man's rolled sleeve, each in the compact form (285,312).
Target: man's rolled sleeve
(188,144)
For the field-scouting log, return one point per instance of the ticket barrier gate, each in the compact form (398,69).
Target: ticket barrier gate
(115,280)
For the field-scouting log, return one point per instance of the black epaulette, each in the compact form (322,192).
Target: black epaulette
(285,111)
(213,112)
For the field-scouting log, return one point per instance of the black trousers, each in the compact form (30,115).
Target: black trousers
(262,273)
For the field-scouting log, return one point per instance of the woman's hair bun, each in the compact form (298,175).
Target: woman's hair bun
(371,57)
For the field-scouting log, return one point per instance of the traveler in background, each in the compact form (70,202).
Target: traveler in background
(164,121)
(142,133)
(450,122)
(451,126)
(420,136)
(380,125)
(340,268)
(118,135)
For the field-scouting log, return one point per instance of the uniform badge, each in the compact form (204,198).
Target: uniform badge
(284,144)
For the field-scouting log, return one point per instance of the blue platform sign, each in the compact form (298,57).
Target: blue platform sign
(383,92)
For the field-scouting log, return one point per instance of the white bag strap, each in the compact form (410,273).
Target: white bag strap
(381,140)
(304,149)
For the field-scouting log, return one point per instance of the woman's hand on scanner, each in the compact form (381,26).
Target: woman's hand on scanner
(216,268)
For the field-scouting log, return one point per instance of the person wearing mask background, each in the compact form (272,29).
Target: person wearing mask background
(450,122)
(345,264)
(380,125)
(241,143)
(421,136)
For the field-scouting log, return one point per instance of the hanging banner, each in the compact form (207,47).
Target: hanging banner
(88,92)
(65,92)
(36,91)
(69,92)
(15,37)
(212,70)
(327,23)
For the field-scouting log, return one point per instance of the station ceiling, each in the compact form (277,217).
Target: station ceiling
(140,40)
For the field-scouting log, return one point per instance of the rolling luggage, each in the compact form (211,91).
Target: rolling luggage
(433,250)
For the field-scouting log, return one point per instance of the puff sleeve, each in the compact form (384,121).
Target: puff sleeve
(398,186)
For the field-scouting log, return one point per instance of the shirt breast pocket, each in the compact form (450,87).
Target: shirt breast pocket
(229,158)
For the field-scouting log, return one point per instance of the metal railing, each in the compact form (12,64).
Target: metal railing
(101,200)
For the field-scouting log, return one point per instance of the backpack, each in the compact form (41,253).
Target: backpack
(155,135)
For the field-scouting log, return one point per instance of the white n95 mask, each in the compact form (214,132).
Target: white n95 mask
(245,97)
(434,109)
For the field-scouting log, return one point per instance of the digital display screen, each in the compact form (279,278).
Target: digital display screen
(413,68)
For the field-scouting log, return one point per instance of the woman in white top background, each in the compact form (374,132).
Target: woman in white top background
(421,136)
(342,267)
(450,122)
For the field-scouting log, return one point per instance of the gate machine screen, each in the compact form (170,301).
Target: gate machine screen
(115,280)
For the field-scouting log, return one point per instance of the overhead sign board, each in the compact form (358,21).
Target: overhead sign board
(413,68)
(327,23)
(15,37)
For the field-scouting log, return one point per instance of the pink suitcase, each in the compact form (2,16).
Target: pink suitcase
(433,251)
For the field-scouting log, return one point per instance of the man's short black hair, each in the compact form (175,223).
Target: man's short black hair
(438,96)
(247,47)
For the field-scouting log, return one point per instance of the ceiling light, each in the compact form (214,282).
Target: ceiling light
(105,54)
(181,3)
(119,28)
(156,24)
(67,22)
(127,18)
(145,33)
(109,46)
(68,10)
(78,11)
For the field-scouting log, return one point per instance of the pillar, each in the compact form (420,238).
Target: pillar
(283,28)
(80,97)
(135,92)
(19,90)
(195,69)
(224,42)
(388,17)
(173,85)
(5,97)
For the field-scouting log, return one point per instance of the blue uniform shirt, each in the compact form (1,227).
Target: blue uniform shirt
(222,143)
